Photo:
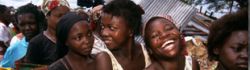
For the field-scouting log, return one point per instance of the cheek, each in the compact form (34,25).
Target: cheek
(154,43)
(228,56)
(34,27)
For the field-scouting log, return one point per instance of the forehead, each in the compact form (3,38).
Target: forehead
(80,26)
(239,36)
(26,16)
(61,9)
(109,19)
(159,23)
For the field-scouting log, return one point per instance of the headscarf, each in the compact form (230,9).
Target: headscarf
(49,5)
(62,30)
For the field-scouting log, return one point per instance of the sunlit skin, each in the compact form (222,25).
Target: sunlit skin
(28,25)
(234,53)
(119,38)
(80,42)
(164,40)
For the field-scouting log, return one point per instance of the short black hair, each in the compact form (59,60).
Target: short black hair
(128,10)
(222,29)
(30,8)
(3,8)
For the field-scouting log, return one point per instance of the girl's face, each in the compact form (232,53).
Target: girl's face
(114,31)
(163,38)
(28,25)
(55,15)
(80,39)
(233,54)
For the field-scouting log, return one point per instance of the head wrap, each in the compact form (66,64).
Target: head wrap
(49,5)
(62,30)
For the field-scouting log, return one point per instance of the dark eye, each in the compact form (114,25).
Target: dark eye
(167,28)
(112,28)
(236,48)
(154,35)
(78,37)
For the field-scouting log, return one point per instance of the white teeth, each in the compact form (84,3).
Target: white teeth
(166,43)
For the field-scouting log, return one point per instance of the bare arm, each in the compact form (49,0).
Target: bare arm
(195,65)
(103,61)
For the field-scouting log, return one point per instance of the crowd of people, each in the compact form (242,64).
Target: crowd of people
(56,37)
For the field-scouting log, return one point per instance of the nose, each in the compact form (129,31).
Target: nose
(85,41)
(244,54)
(27,27)
(164,35)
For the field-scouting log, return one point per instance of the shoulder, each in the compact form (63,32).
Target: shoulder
(58,65)
(102,56)
(154,66)
(103,61)
(38,38)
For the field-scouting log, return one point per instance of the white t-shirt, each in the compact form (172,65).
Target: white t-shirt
(4,33)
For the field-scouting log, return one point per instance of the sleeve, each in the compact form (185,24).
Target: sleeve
(58,65)
(3,35)
(9,57)
(33,54)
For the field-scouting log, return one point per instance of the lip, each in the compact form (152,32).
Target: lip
(242,65)
(168,45)
(107,41)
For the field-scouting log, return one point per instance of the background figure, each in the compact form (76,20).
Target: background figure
(28,18)
(228,41)
(42,48)
(5,36)
(167,46)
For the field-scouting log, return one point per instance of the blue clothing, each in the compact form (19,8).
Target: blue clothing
(16,51)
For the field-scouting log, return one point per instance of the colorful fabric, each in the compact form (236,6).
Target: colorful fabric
(15,52)
(48,5)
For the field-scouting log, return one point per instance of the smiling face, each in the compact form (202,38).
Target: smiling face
(115,32)
(80,39)
(233,54)
(163,38)
(28,25)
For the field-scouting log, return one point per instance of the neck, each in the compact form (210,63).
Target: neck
(126,50)
(77,58)
(51,34)
(176,63)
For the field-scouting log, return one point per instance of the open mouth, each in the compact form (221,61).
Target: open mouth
(168,45)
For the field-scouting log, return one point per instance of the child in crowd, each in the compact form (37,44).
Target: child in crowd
(28,18)
(74,35)
(228,41)
(166,46)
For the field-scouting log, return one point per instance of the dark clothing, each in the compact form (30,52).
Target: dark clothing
(89,3)
(41,50)
(61,64)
